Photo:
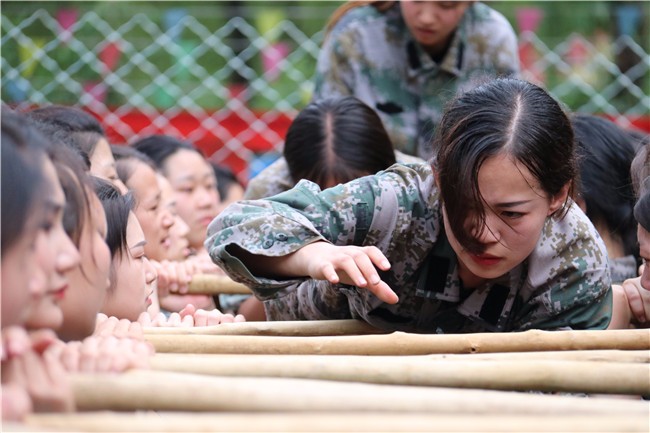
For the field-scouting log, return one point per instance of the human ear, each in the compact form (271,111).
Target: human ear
(558,200)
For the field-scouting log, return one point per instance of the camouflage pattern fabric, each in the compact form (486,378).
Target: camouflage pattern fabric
(372,55)
(563,284)
(275,178)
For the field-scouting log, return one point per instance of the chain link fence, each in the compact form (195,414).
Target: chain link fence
(232,86)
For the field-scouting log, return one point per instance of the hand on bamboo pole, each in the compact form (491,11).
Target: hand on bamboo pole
(208,284)
(284,328)
(188,318)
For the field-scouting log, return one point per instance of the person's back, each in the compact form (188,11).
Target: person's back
(331,141)
(407,59)
(605,188)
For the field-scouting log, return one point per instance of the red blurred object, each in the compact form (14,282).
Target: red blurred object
(110,55)
(187,124)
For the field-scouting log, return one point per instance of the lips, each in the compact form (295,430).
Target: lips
(149,299)
(59,293)
(205,221)
(426,32)
(485,259)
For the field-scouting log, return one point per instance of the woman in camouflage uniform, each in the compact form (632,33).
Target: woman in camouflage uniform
(485,238)
(406,59)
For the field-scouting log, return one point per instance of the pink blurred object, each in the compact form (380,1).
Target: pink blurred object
(528,19)
(96,89)
(110,55)
(66,19)
(272,55)
(578,52)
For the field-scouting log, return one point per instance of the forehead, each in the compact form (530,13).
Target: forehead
(144,180)
(134,233)
(187,163)
(96,209)
(54,189)
(501,178)
(165,187)
(102,152)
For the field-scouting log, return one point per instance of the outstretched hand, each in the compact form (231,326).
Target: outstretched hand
(349,264)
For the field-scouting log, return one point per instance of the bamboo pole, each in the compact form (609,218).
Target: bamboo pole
(332,422)
(207,284)
(287,328)
(634,356)
(399,343)
(620,356)
(154,390)
(548,375)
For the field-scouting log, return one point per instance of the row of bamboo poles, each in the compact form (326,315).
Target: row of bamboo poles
(347,376)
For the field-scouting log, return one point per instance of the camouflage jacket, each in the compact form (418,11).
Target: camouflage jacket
(276,178)
(563,284)
(372,55)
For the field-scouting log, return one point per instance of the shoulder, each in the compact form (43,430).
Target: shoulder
(272,180)
(359,18)
(413,184)
(571,250)
(403,158)
(369,24)
(482,16)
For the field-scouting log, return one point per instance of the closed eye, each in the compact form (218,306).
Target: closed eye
(512,215)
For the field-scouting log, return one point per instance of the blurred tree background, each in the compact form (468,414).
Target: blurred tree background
(596,21)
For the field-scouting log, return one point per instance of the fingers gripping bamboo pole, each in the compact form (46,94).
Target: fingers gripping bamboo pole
(546,375)
(152,390)
(399,343)
(206,284)
(288,328)
(332,422)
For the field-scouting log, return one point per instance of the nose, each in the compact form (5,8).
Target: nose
(205,198)
(168,219)
(485,233)
(150,273)
(68,257)
(182,228)
(428,14)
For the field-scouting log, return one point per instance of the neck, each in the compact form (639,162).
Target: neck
(469,280)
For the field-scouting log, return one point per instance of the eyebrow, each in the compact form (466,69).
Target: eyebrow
(53,206)
(511,204)
(142,243)
(194,177)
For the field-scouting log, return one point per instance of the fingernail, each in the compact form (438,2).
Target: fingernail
(385,263)
(362,282)
(375,279)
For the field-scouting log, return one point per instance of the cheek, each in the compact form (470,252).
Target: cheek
(184,206)
(103,258)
